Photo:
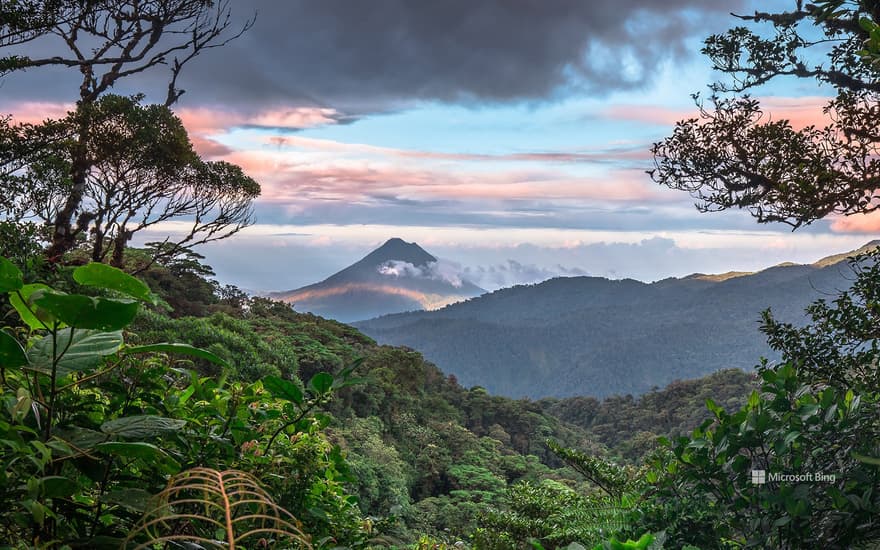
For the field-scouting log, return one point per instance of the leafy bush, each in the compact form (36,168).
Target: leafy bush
(92,427)
(814,422)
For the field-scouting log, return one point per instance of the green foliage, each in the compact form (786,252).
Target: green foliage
(20,242)
(91,427)
(813,419)
(607,476)
(381,477)
(645,542)
(406,450)
(795,429)
(840,346)
(550,513)
(103,276)
(787,469)
(10,276)
(629,426)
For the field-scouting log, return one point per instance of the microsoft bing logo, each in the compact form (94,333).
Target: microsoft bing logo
(761,477)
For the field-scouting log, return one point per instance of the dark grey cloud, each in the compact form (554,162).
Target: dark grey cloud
(362,56)
(346,53)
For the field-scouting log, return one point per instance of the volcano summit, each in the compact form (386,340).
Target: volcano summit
(398,276)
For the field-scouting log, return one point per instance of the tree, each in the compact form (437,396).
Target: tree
(143,172)
(108,40)
(841,345)
(735,156)
(22,21)
(817,411)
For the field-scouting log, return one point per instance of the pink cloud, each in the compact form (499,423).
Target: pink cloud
(209,148)
(203,120)
(330,146)
(34,112)
(299,117)
(203,123)
(857,223)
(217,120)
(648,114)
(800,111)
(290,178)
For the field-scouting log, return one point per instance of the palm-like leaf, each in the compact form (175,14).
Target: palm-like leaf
(211,509)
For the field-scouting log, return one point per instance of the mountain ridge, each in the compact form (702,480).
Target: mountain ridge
(596,336)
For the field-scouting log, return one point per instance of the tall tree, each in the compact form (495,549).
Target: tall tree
(105,41)
(817,411)
(143,172)
(734,155)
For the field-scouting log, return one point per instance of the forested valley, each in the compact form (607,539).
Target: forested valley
(146,406)
(388,448)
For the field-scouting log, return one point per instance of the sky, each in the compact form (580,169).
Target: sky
(510,138)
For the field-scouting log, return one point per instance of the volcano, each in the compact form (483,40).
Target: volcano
(396,277)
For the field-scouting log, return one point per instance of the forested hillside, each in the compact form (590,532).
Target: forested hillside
(595,336)
(403,443)
(421,446)
(629,426)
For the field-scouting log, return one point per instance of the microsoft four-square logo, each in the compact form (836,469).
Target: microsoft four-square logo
(759,477)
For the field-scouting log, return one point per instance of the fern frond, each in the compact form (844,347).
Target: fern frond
(606,475)
(214,509)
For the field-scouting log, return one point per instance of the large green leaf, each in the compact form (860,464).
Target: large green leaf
(11,353)
(129,497)
(140,426)
(104,276)
(133,449)
(79,349)
(867,459)
(183,349)
(86,312)
(80,438)
(283,389)
(18,300)
(57,486)
(147,452)
(321,382)
(10,276)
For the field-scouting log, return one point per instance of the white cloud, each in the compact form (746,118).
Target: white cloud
(290,256)
(438,271)
(515,273)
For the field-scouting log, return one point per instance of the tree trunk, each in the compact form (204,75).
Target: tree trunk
(119,247)
(63,235)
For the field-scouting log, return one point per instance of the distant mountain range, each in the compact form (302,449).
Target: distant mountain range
(398,276)
(595,336)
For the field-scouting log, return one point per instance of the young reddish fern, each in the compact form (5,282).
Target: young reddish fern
(216,509)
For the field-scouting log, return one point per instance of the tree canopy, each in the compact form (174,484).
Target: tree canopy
(735,155)
(113,166)
(143,172)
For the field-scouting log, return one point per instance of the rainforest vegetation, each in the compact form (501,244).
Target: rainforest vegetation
(146,406)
